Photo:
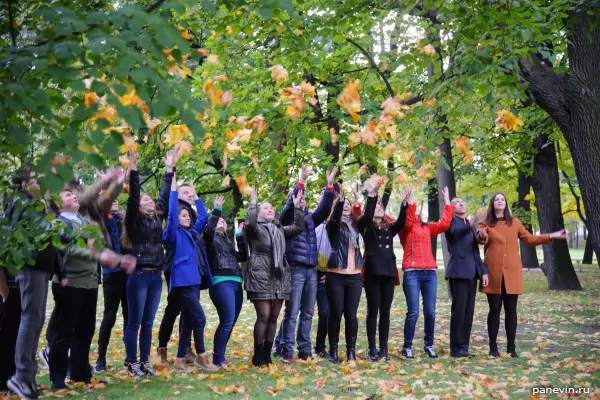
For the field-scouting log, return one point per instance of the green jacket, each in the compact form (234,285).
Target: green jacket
(80,263)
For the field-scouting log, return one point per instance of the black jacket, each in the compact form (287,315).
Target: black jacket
(339,237)
(380,259)
(223,258)
(146,233)
(29,213)
(465,261)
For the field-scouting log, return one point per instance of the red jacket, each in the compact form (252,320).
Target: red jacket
(416,238)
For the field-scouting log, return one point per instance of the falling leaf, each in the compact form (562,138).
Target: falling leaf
(402,177)
(389,150)
(391,108)
(461,143)
(129,144)
(425,171)
(176,134)
(243,136)
(363,170)
(333,135)
(243,186)
(350,99)
(216,97)
(369,135)
(314,142)
(202,52)
(59,160)
(258,123)
(230,134)
(185,34)
(152,124)
(90,98)
(429,103)
(508,121)
(354,139)
(293,112)
(308,89)
(226,181)
(527,197)
(409,159)
(279,73)
(232,148)
(183,148)
(107,113)
(208,141)
(213,59)
(255,163)
(428,49)
(405,96)
(221,78)
(208,86)
(124,160)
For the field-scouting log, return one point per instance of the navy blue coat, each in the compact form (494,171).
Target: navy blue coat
(190,263)
(465,261)
(303,248)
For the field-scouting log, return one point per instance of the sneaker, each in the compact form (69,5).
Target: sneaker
(407,353)
(26,391)
(204,362)
(430,351)
(277,352)
(100,365)
(134,370)
(146,368)
(44,355)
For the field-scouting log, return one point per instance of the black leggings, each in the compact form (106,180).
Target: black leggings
(495,302)
(379,291)
(343,294)
(265,327)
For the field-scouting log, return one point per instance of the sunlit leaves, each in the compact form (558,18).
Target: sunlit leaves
(349,99)
(508,121)
(279,73)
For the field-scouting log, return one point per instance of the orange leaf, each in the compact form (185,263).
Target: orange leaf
(90,98)
(389,150)
(185,34)
(242,184)
(508,121)
(279,73)
(402,177)
(153,124)
(461,144)
(350,99)
(183,148)
(293,111)
(363,170)
(208,141)
(202,52)
(107,113)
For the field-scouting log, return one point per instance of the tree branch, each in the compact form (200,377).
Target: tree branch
(11,27)
(577,198)
(215,191)
(154,6)
(373,65)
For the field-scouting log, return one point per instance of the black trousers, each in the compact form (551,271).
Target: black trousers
(463,293)
(495,302)
(343,294)
(323,309)
(172,311)
(114,287)
(10,319)
(74,324)
(379,291)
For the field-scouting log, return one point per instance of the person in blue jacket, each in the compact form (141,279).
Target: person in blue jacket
(464,268)
(190,273)
(302,255)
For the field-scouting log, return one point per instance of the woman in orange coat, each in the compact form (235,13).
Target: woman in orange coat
(500,232)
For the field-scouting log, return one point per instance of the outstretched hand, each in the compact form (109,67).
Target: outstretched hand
(296,199)
(331,176)
(253,195)
(171,159)
(560,235)
(304,173)
(219,200)
(446,195)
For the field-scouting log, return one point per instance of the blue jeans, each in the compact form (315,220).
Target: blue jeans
(33,284)
(227,297)
(192,318)
(323,308)
(302,300)
(424,281)
(143,296)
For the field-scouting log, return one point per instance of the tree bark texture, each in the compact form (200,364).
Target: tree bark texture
(522,207)
(557,260)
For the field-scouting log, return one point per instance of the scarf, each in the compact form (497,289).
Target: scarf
(352,233)
(277,245)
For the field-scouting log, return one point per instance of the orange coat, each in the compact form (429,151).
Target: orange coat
(502,256)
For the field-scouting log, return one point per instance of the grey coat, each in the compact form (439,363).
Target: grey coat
(259,280)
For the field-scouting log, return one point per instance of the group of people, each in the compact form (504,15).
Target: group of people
(299,259)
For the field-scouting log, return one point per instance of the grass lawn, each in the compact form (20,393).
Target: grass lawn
(558,339)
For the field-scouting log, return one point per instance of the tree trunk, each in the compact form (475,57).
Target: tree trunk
(588,253)
(522,209)
(572,102)
(445,178)
(433,210)
(557,260)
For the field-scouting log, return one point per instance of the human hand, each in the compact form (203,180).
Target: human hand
(485,280)
(331,176)
(446,195)
(109,258)
(219,200)
(560,235)
(253,195)
(296,199)
(340,192)
(304,173)
(171,159)
(128,263)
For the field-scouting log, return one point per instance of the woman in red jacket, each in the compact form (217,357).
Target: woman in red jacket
(419,269)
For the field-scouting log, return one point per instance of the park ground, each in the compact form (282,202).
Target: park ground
(558,340)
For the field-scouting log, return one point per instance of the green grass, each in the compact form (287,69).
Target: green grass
(558,339)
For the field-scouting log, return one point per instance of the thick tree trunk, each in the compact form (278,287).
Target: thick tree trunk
(572,100)
(433,210)
(588,252)
(445,178)
(557,260)
(522,209)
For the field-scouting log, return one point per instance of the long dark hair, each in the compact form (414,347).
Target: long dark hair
(491,218)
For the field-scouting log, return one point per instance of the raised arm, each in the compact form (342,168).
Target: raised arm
(367,218)
(401,221)
(287,214)
(170,232)
(324,209)
(443,224)
(251,222)
(333,225)
(133,202)
(162,203)
(242,246)
(294,230)
(202,216)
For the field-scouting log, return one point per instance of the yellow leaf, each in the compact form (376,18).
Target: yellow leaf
(428,49)
(429,103)
(208,141)
(221,78)
(90,98)
(177,133)
(402,177)
(226,181)
(107,113)
(350,99)
(461,143)
(409,158)
(213,59)
(315,142)
(216,96)
(129,144)
(232,148)
(230,135)
(508,121)
(354,139)
(334,136)
(183,148)
(243,186)
(527,197)
(425,171)
(295,381)
(369,135)
(293,111)
(243,135)
(185,34)
(208,85)
(279,73)
(345,369)
(255,163)
(389,150)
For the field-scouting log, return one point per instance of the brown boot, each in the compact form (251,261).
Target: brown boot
(204,362)
(181,366)
(190,357)
(162,353)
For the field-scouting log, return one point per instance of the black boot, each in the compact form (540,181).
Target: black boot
(267,352)
(494,350)
(512,350)
(383,354)
(258,357)
(350,354)
(333,353)
(372,354)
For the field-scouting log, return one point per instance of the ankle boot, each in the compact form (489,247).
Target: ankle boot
(512,350)
(258,357)
(162,353)
(372,354)
(268,347)
(494,350)
(383,353)
(190,357)
(350,348)
(333,353)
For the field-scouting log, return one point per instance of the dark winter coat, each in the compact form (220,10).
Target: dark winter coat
(223,258)
(465,261)
(303,248)
(339,236)
(146,233)
(260,280)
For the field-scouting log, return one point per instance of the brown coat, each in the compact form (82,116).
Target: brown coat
(502,256)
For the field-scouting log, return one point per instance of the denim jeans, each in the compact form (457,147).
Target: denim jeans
(227,297)
(323,309)
(302,300)
(143,296)
(425,282)
(192,318)
(33,285)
